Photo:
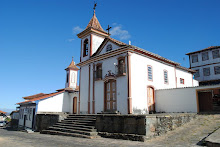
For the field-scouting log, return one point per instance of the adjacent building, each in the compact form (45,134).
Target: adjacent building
(62,101)
(206,63)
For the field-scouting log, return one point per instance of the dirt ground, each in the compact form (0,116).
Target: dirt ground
(191,134)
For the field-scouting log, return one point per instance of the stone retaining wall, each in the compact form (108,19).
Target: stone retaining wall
(140,127)
(44,121)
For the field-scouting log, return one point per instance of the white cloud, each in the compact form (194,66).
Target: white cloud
(77,29)
(119,32)
(70,40)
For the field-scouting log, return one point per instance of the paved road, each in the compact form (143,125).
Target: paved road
(188,135)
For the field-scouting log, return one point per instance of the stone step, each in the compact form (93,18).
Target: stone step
(80,123)
(75,125)
(76,121)
(53,132)
(73,131)
(76,128)
(81,116)
(74,118)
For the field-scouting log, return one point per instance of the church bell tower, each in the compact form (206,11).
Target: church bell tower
(71,75)
(91,38)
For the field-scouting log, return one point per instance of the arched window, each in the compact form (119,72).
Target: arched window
(109,48)
(85,48)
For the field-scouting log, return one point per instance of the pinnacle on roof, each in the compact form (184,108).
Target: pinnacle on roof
(72,66)
(94,23)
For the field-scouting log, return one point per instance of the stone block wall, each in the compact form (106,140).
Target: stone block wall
(44,121)
(125,124)
(159,124)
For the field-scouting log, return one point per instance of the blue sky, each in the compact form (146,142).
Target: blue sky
(38,37)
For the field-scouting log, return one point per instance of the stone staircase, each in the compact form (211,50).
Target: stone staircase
(76,126)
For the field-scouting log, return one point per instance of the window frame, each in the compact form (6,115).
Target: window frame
(107,47)
(208,72)
(215,70)
(123,73)
(165,71)
(96,70)
(213,54)
(181,79)
(197,58)
(151,73)
(197,74)
(86,47)
(203,57)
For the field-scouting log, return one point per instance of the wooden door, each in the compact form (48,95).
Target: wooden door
(75,105)
(150,99)
(110,96)
(205,101)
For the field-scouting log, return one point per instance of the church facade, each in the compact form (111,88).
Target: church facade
(120,78)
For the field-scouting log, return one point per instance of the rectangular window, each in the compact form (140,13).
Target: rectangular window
(205,56)
(165,76)
(197,73)
(98,71)
(206,71)
(215,54)
(194,58)
(217,70)
(150,76)
(181,81)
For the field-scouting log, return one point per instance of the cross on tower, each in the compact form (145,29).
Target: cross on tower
(95,5)
(108,29)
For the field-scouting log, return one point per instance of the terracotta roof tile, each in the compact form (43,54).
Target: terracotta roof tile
(2,112)
(42,97)
(34,96)
(206,49)
(72,66)
(94,23)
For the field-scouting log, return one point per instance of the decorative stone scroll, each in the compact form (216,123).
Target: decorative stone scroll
(109,76)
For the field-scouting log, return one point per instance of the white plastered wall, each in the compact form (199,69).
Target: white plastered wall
(179,99)
(73,79)
(140,82)
(96,42)
(84,81)
(51,104)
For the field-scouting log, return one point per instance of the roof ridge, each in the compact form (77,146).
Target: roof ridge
(94,23)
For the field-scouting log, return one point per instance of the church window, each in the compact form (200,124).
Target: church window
(197,73)
(121,66)
(217,70)
(109,48)
(194,58)
(98,71)
(206,71)
(181,81)
(67,78)
(150,76)
(205,56)
(165,76)
(215,54)
(85,48)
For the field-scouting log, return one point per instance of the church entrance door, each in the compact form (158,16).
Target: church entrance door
(110,104)
(151,100)
(74,105)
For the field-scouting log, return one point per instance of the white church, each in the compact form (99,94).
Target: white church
(120,78)
(115,78)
